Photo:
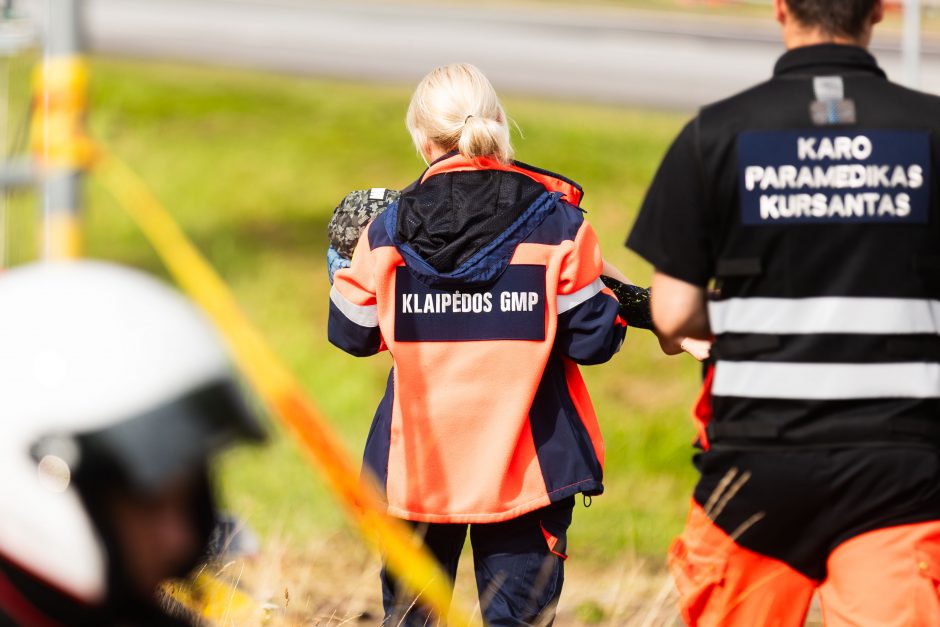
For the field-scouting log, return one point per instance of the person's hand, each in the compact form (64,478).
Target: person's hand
(334,262)
(700,349)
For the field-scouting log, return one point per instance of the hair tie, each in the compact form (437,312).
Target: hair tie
(467,119)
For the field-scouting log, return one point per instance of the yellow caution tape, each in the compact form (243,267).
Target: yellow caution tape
(216,600)
(272,380)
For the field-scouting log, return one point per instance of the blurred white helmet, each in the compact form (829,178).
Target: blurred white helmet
(99,362)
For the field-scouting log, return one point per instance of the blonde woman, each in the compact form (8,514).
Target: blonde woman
(483,281)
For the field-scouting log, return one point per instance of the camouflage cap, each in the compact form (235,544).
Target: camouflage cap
(354,213)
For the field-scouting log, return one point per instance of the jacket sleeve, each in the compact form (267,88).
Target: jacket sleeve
(354,318)
(590,330)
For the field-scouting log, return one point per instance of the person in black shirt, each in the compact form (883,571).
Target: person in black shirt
(798,223)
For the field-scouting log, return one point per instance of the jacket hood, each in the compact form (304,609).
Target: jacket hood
(460,224)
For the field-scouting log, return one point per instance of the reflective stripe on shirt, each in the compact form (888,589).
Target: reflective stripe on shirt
(825,315)
(807,381)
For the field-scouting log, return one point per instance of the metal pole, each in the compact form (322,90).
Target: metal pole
(58,136)
(911,43)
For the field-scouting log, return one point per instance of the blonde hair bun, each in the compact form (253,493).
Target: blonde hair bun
(456,107)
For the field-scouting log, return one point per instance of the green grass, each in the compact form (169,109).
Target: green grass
(252,166)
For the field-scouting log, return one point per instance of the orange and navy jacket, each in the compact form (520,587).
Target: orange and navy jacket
(483,281)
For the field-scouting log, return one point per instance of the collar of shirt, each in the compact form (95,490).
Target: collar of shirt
(828,59)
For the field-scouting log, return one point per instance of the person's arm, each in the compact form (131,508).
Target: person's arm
(679,309)
(699,349)
(590,330)
(334,262)
(354,319)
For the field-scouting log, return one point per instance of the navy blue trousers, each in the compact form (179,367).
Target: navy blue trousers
(519,567)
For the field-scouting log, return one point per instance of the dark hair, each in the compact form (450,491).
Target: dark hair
(835,17)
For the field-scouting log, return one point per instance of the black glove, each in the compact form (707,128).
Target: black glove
(634,303)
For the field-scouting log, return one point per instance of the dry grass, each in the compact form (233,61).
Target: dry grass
(336,582)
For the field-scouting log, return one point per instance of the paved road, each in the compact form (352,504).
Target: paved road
(605,55)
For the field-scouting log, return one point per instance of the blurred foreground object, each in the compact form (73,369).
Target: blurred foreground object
(232,538)
(116,393)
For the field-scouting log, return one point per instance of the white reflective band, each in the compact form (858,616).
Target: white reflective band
(568,302)
(825,315)
(827,382)
(363,315)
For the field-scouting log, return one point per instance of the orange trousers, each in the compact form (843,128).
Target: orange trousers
(884,578)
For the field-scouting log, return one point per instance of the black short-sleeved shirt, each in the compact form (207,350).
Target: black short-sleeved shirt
(813,202)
